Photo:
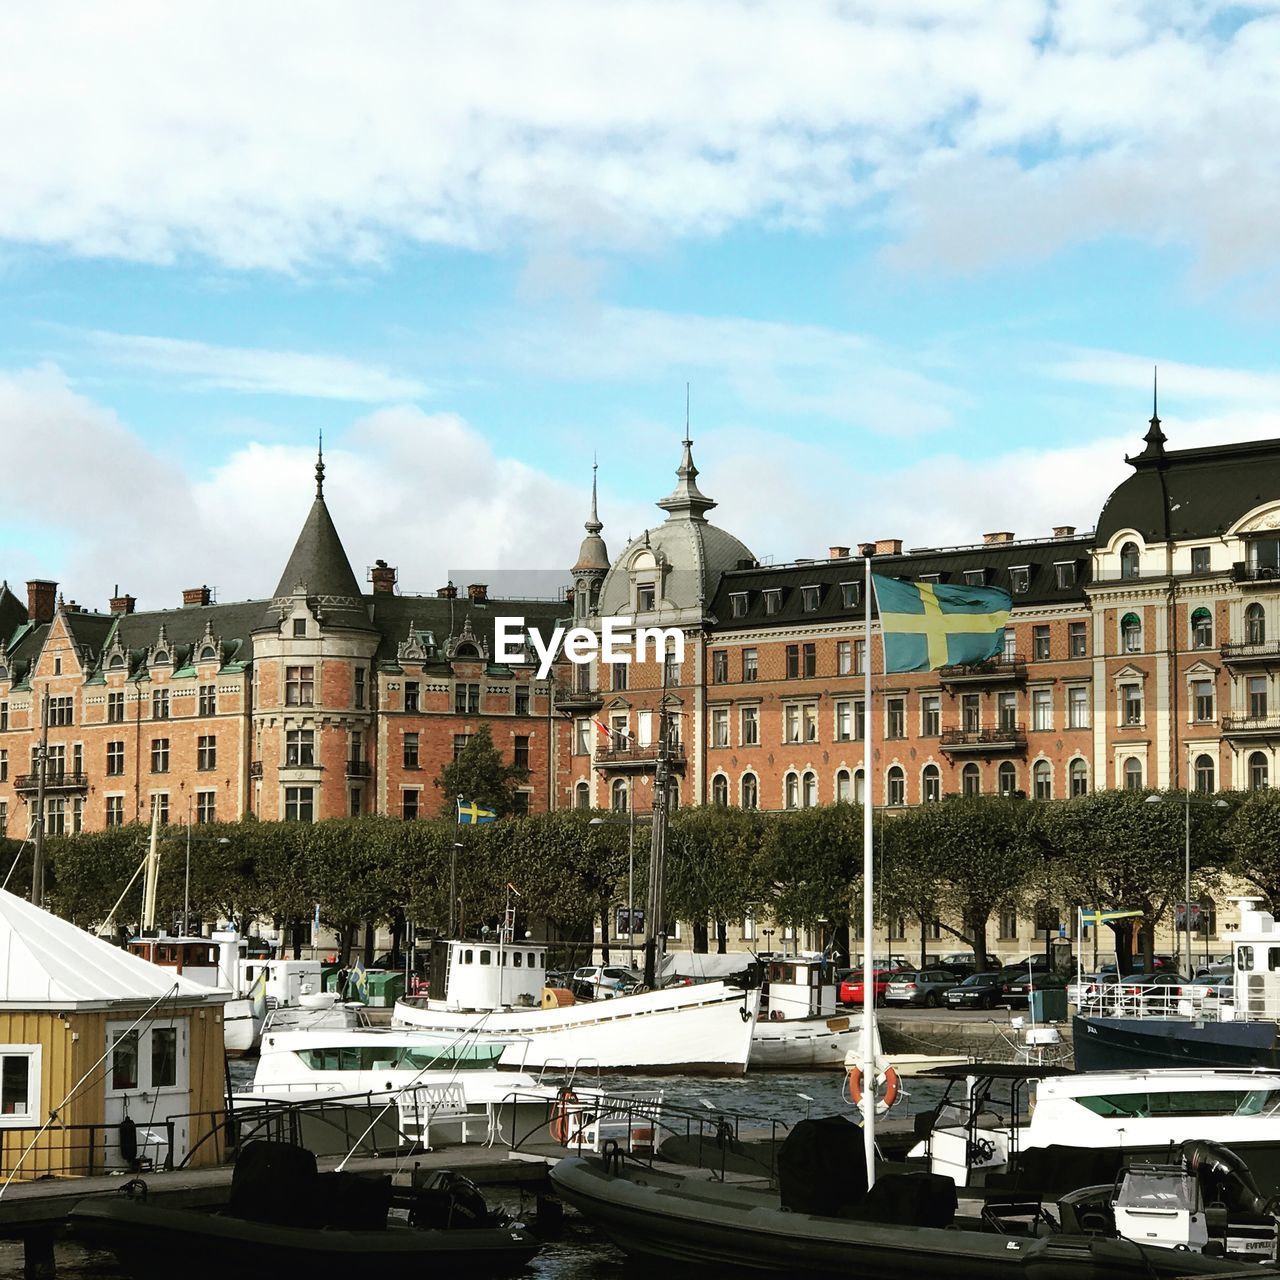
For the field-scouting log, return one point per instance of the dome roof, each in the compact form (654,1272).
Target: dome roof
(593,555)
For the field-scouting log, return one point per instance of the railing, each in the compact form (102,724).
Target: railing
(357,768)
(54,780)
(1261,575)
(569,694)
(1262,726)
(1153,1000)
(1010,738)
(621,757)
(994,669)
(1244,651)
(81,1150)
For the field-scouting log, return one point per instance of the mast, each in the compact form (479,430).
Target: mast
(655,925)
(37,860)
(151,881)
(868,892)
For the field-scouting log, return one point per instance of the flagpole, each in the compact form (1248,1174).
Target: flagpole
(868,890)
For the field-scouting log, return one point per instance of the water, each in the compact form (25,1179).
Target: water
(579,1253)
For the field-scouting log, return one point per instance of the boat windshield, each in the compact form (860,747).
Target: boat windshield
(1190,1102)
(460,1057)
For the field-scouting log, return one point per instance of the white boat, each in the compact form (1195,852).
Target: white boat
(700,1029)
(799,1026)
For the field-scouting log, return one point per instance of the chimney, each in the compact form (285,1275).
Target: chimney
(71,607)
(1064,530)
(122,604)
(447,593)
(990,539)
(477,592)
(837,553)
(193,597)
(888,546)
(383,577)
(42,598)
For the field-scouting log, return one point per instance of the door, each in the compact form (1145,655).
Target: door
(148,1080)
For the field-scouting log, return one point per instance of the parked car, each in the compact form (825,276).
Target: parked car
(1093,989)
(1157,992)
(596,980)
(963,962)
(925,987)
(850,989)
(1138,965)
(977,991)
(1213,990)
(1017,987)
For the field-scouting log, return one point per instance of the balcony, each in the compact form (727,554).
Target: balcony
(55,780)
(1254,575)
(569,697)
(1003,740)
(637,759)
(357,768)
(255,768)
(1003,670)
(1251,726)
(1243,654)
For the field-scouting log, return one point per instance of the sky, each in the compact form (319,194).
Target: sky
(914,261)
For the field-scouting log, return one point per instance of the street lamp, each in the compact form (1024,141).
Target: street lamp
(1156,798)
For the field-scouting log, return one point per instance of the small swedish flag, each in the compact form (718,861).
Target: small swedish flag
(928,625)
(471,813)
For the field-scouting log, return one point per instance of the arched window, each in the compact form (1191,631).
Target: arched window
(1129,560)
(720,790)
(895,791)
(208,653)
(1255,624)
(971,780)
(750,791)
(1078,772)
(582,795)
(931,783)
(1201,629)
(1204,774)
(1131,633)
(116,662)
(1007,778)
(1133,774)
(810,790)
(1259,772)
(791,792)
(160,657)
(859,790)
(844,786)
(466,650)
(1042,780)
(618,798)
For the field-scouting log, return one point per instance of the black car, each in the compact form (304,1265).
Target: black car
(1017,987)
(977,991)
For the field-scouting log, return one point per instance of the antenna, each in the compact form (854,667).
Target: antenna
(1155,388)
(686,413)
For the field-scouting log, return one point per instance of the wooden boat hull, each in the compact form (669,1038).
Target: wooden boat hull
(150,1240)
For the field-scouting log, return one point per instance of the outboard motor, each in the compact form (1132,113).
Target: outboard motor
(1241,1221)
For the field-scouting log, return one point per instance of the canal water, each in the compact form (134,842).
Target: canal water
(579,1253)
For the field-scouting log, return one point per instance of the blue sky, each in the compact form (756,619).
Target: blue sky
(915,259)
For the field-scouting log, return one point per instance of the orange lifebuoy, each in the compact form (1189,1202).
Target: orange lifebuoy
(855,1085)
(559,1125)
(892,1086)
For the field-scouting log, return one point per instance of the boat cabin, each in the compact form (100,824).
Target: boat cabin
(490,974)
(221,961)
(194,958)
(799,987)
(1255,954)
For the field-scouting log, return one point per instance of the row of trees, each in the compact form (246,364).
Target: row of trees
(960,862)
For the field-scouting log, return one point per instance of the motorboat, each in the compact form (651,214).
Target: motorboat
(704,1028)
(317,1011)
(799,1026)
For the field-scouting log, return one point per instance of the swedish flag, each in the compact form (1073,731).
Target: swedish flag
(928,625)
(471,813)
(1106,917)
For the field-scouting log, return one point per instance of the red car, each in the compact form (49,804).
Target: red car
(850,991)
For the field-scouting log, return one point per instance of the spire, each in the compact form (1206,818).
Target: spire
(593,525)
(1155,438)
(593,556)
(686,501)
(320,468)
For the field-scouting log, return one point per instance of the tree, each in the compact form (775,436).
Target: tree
(713,872)
(1252,842)
(480,776)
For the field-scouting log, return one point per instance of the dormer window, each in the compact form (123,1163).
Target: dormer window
(299,628)
(931,577)
(772,600)
(646,597)
(161,658)
(738,601)
(850,594)
(975,577)
(1129,560)
(1020,579)
(809,598)
(1064,572)
(208,653)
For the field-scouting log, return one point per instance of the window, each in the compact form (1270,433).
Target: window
(208,700)
(1133,774)
(749,721)
(810,790)
(618,799)
(1255,624)
(971,780)
(466,699)
(159,755)
(115,759)
(1077,707)
(1201,629)
(720,666)
(1064,574)
(1007,778)
(720,726)
(1199,559)
(844,786)
(582,737)
(931,783)
(410,749)
(1042,780)
(520,751)
(738,604)
(859,657)
(160,704)
(164,1057)
(411,695)
(4,766)
(772,600)
(1131,633)
(299,686)
(1019,579)
(1009,651)
(359,689)
(791,792)
(809,715)
(971,712)
(160,803)
(61,711)
(522,700)
(207,751)
(1130,704)
(460,741)
(1042,709)
(1257,691)
(618,676)
(750,664)
(1204,774)
(859,720)
(809,598)
(299,628)
(1129,560)
(1007,711)
(357,802)
(750,791)
(859,786)
(670,670)
(1078,773)
(720,790)
(850,595)
(791,724)
(582,796)
(4,715)
(1040,643)
(844,721)
(1008,926)
(409,804)
(844,657)
(646,597)
(1076,643)
(115,708)
(975,577)
(809,660)
(619,738)
(1202,699)
(895,790)
(206,806)
(793,662)
(1259,771)
(115,811)
(930,715)
(895,713)
(300,748)
(124,1059)
(299,804)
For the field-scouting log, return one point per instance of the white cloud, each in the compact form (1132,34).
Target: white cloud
(1192,382)
(202,366)
(153,131)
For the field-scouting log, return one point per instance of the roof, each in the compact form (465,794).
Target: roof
(48,963)
(13,613)
(1208,489)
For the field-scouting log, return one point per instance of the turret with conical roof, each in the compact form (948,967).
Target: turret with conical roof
(593,562)
(686,501)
